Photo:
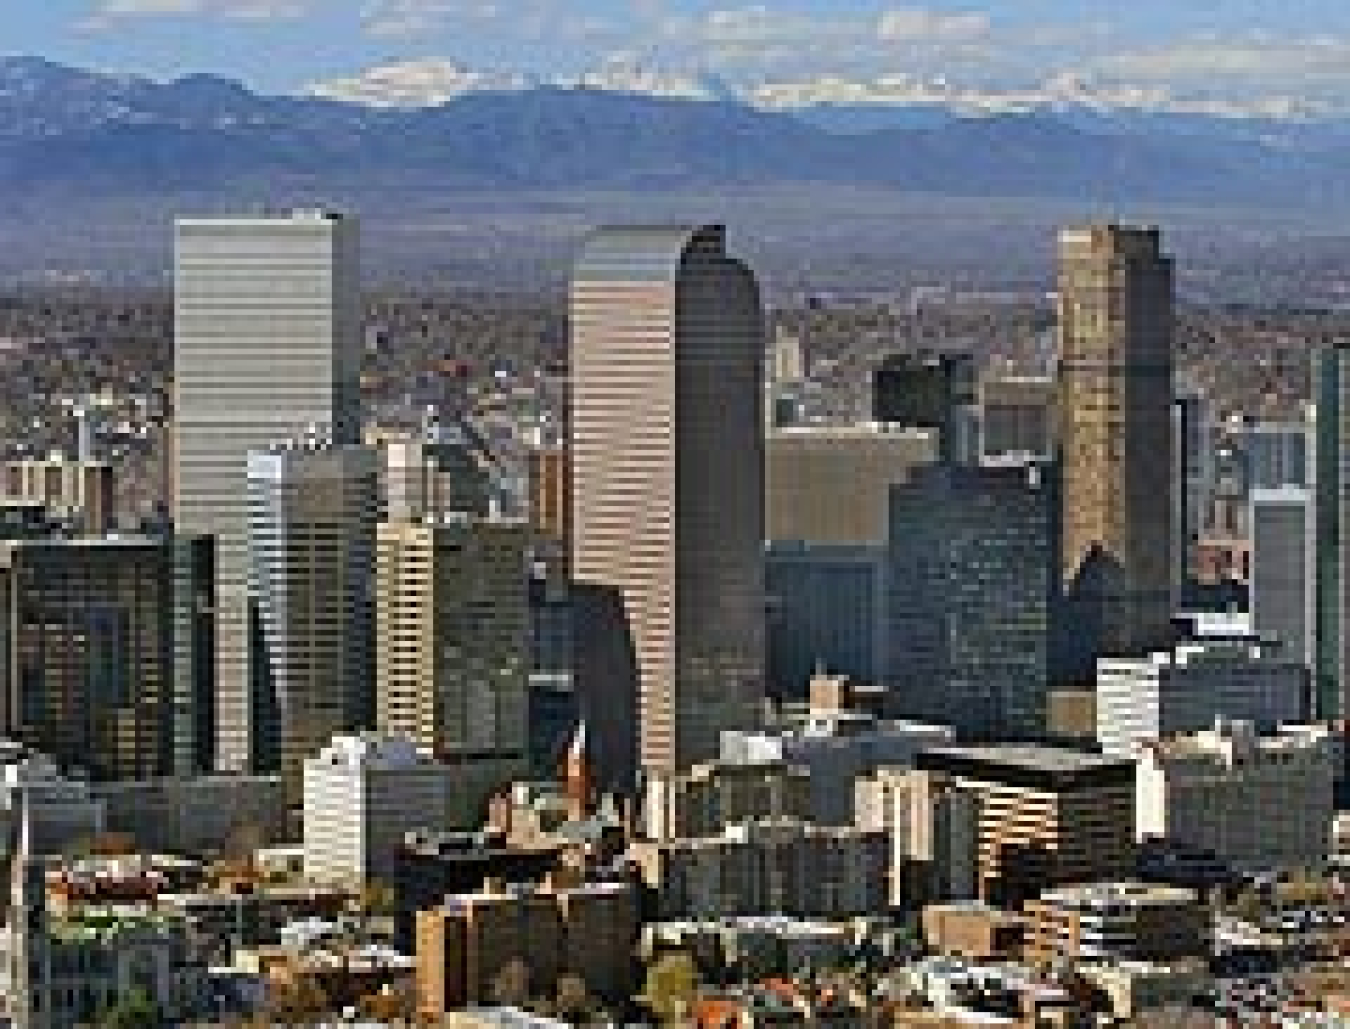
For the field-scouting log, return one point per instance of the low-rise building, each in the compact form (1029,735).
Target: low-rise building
(933,824)
(1047,816)
(468,944)
(362,795)
(1118,922)
(974,931)
(710,796)
(1257,803)
(837,748)
(1184,690)
(790,868)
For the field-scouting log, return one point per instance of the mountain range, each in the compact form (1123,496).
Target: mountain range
(97,135)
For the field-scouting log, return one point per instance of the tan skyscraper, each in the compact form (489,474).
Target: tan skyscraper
(1115,288)
(668,482)
(452,651)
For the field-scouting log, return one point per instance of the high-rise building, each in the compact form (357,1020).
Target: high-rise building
(1115,318)
(931,391)
(453,638)
(971,567)
(1193,453)
(1048,817)
(668,340)
(312,507)
(1284,570)
(1279,454)
(1017,416)
(1331,388)
(86,653)
(829,484)
(1119,922)
(267,345)
(827,610)
(439,472)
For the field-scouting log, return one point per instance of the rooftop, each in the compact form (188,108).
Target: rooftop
(1031,757)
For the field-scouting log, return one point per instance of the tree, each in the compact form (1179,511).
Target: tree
(672,982)
(573,1001)
(511,987)
(136,1010)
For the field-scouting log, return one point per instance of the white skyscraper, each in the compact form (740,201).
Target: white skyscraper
(267,346)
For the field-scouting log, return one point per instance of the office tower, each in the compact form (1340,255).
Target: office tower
(668,342)
(1284,569)
(87,653)
(1258,803)
(1048,817)
(312,507)
(194,654)
(1193,478)
(1331,391)
(971,567)
(827,610)
(554,712)
(1184,690)
(267,345)
(931,391)
(453,631)
(829,485)
(1278,454)
(1017,416)
(78,493)
(363,794)
(441,472)
(1115,321)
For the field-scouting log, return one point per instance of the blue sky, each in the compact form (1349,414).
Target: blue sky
(1217,51)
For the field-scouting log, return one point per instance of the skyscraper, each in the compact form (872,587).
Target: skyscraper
(267,344)
(668,340)
(1332,393)
(1115,325)
(931,391)
(970,578)
(312,508)
(453,651)
(1283,584)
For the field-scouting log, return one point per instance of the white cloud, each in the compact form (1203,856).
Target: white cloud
(1063,89)
(1317,60)
(423,83)
(406,18)
(107,13)
(914,24)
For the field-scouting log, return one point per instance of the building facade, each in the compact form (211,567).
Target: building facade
(1115,318)
(79,493)
(88,660)
(668,339)
(1048,817)
(931,391)
(1257,803)
(312,507)
(1117,922)
(1184,690)
(970,570)
(453,630)
(1284,570)
(267,345)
